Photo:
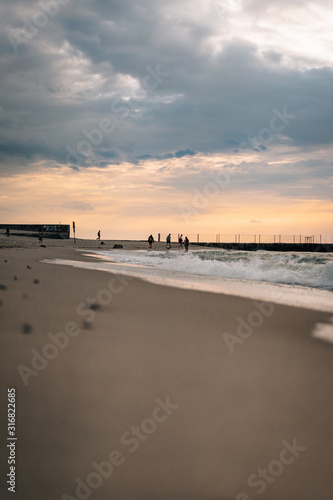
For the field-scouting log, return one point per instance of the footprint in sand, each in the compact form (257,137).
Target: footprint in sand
(26,328)
(86,325)
(95,307)
(36,281)
(3,287)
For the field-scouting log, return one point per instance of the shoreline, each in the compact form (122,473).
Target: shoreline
(121,344)
(288,294)
(277,293)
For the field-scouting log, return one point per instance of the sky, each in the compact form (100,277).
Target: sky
(147,116)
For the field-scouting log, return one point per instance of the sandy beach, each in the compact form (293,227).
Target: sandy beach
(129,390)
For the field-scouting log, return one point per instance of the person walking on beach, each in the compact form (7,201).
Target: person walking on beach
(168,241)
(186,243)
(150,241)
(180,241)
(40,238)
(99,234)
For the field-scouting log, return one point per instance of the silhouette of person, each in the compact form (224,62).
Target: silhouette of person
(150,241)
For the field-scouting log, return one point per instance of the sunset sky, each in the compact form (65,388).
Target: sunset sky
(167,116)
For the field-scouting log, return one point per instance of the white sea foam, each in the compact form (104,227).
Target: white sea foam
(323,331)
(303,280)
(310,270)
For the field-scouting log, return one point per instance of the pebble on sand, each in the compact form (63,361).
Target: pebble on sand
(26,328)
(95,307)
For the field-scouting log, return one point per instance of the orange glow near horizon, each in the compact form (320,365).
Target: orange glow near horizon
(131,201)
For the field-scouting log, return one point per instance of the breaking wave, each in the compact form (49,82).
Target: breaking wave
(302,269)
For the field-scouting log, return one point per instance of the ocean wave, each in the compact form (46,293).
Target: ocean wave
(310,270)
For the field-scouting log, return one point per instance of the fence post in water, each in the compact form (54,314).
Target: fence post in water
(320,239)
(158,237)
(274,238)
(259,238)
(255,237)
(197,238)
(235,238)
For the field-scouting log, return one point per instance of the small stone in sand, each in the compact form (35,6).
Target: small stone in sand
(95,307)
(28,267)
(36,281)
(26,328)
(15,278)
(3,287)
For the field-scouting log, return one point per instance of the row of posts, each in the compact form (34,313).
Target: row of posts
(276,238)
(257,238)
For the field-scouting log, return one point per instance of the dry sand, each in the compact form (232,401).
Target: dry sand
(232,414)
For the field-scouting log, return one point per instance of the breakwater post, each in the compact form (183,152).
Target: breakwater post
(274,247)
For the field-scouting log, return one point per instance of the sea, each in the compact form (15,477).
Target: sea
(297,279)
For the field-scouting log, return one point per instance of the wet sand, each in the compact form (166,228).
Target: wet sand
(142,398)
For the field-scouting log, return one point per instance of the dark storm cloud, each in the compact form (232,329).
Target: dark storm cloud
(168,156)
(307,179)
(121,81)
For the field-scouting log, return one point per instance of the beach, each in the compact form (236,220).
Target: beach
(130,390)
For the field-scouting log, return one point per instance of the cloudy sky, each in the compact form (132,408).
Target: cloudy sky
(210,116)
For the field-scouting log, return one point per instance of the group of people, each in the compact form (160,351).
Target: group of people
(186,242)
(181,242)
